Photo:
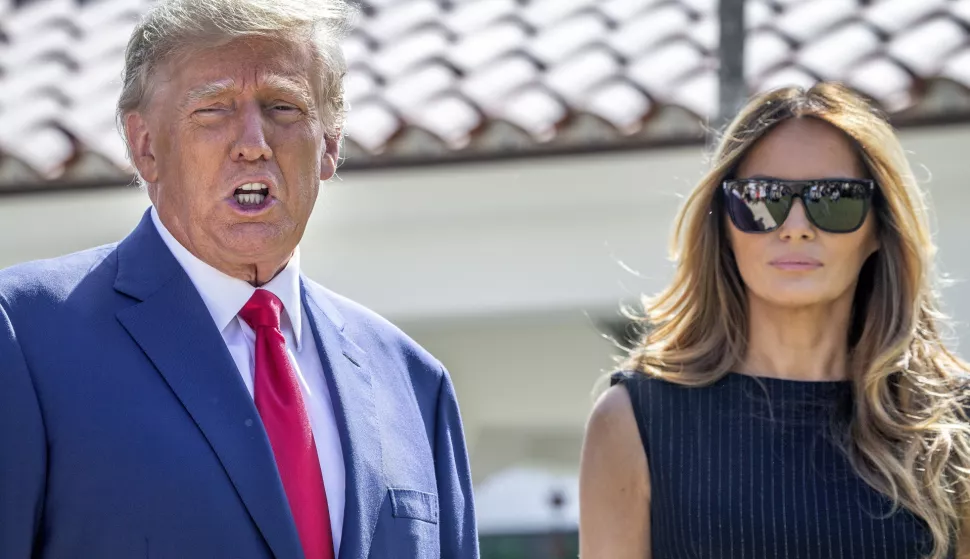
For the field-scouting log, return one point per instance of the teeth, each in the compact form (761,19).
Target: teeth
(250,199)
(253,186)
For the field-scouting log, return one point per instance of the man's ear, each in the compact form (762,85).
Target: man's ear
(140,143)
(329,156)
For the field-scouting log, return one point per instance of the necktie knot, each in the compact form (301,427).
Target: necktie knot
(262,310)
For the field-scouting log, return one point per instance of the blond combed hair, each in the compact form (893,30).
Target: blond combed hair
(909,436)
(175,27)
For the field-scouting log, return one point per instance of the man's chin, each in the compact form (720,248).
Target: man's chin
(256,242)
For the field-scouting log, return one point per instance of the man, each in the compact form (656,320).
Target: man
(187,393)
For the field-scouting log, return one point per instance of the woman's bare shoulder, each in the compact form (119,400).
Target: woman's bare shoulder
(614,485)
(612,434)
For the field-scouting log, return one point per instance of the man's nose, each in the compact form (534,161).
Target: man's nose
(251,144)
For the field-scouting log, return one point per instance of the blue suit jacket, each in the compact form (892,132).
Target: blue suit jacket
(126,430)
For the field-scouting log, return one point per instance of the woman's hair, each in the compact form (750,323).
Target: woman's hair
(173,28)
(908,436)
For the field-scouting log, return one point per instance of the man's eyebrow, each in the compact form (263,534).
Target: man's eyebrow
(209,91)
(288,86)
(272,83)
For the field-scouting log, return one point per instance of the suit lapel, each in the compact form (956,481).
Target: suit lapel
(349,379)
(174,329)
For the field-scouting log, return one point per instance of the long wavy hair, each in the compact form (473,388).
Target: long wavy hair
(908,435)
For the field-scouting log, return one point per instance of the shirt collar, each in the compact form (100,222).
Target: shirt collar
(224,295)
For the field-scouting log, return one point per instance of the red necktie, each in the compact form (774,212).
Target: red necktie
(280,405)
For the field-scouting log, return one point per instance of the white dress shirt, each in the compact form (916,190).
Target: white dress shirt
(225,296)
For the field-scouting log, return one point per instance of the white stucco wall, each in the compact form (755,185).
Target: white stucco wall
(503,269)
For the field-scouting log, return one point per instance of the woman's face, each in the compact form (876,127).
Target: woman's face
(798,265)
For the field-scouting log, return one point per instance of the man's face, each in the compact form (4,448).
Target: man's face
(233,150)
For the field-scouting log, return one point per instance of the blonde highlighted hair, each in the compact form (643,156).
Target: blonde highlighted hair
(909,436)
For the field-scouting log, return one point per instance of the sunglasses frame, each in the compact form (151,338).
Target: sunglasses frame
(799,189)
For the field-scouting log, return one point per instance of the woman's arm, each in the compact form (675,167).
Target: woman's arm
(614,483)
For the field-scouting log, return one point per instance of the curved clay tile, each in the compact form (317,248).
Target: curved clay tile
(620,103)
(478,49)
(575,77)
(413,89)
(451,118)
(563,39)
(371,125)
(833,54)
(806,21)
(648,29)
(536,111)
(924,48)
(469,17)
(490,87)
(884,80)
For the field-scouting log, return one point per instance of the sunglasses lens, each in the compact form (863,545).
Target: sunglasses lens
(840,210)
(759,206)
(757,214)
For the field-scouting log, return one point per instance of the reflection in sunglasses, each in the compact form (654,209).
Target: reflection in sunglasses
(762,205)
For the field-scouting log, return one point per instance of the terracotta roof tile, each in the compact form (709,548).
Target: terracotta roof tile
(960,9)
(648,29)
(415,88)
(542,13)
(43,148)
(884,79)
(789,75)
(28,82)
(893,16)
(573,78)
(96,16)
(623,10)
(46,43)
(22,118)
(957,67)
(660,68)
(488,44)
(702,7)
(763,51)
(491,86)
(806,21)
(32,17)
(471,16)
(757,14)
(536,111)
(924,49)
(357,49)
(451,118)
(698,94)
(562,39)
(705,33)
(399,18)
(621,103)
(372,126)
(831,56)
(435,79)
(360,83)
(411,51)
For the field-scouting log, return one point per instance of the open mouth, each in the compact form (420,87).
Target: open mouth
(251,195)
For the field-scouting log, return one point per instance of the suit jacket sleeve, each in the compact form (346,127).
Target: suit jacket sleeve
(459,535)
(23,450)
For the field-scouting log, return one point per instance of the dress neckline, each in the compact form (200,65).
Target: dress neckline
(791,381)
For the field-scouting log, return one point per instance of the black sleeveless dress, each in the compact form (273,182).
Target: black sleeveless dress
(748,468)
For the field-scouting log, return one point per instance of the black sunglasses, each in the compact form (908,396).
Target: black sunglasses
(761,205)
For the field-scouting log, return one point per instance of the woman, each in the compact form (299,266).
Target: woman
(792,396)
